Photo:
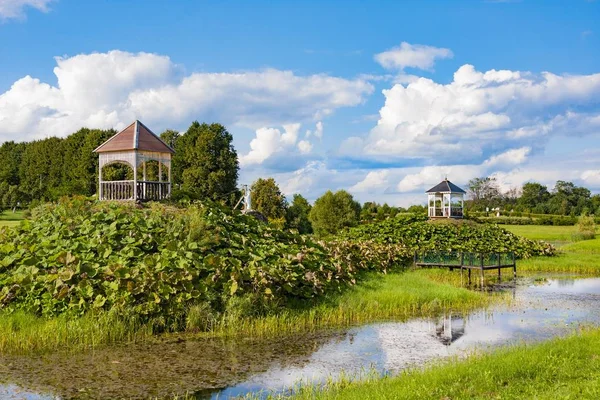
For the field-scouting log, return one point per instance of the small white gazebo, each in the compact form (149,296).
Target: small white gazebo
(445,200)
(135,146)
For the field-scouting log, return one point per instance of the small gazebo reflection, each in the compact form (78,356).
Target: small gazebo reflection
(449,329)
(136,146)
(445,200)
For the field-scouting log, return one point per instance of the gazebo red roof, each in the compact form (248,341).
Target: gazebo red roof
(136,136)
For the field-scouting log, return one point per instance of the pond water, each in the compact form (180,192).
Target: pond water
(214,368)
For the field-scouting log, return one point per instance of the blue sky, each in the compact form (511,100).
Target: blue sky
(463,88)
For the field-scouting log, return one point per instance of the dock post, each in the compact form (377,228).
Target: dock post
(514,266)
(469,276)
(482,279)
(499,269)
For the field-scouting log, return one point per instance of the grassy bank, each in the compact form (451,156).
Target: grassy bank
(8,218)
(560,368)
(377,297)
(574,257)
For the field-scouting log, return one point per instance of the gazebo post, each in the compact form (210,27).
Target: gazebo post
(135,162)
(144,177)
(160,179)
(170,181)
(100,191)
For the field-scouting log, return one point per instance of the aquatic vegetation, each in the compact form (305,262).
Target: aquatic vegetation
(161,268)
(418,234)
(80,256)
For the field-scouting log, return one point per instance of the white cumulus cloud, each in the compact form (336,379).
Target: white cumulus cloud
(472,115)
(374,180)
(105,90)
(282,146)
(412,55)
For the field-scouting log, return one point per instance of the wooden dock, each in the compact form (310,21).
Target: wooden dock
(468,261)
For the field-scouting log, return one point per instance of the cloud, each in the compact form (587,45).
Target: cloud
(374,180)
(106,90)
(15,9)
(412,55)
(509,157)
(461,173)
(318,132)
(591,178)
(477,113)
(279,148)
(586,33)
(305,146)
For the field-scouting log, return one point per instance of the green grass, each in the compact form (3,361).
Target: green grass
(377,297)
(578,257)
(22,333)
(548,233)
(567,368)
(8,218)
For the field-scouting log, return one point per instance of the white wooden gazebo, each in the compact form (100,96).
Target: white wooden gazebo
(135,146)
(445,200)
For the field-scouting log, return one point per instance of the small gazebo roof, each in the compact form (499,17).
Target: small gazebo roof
(136,136)
(445,186)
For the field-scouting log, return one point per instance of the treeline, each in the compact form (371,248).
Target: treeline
(564,199)
(330,213)
(205,165)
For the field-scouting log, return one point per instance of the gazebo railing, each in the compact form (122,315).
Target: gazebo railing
(124,190)
(151,190)
(457,211)
(117,190)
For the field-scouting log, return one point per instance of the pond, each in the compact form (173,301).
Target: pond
(216,368)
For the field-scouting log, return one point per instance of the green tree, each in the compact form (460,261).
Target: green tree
(268,199)
(206,162)
(333,212)
(170,137)
(483,192)
(532,195)
(297,215)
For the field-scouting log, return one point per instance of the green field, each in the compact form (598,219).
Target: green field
(8,218)
(548,233)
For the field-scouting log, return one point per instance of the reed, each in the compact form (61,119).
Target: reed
(21,332)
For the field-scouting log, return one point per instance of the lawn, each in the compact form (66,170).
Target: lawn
(575,257)
(548,233)
(566,368)
(8,218)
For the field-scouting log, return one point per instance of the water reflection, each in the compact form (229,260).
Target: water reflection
(221,369)
(542,310)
